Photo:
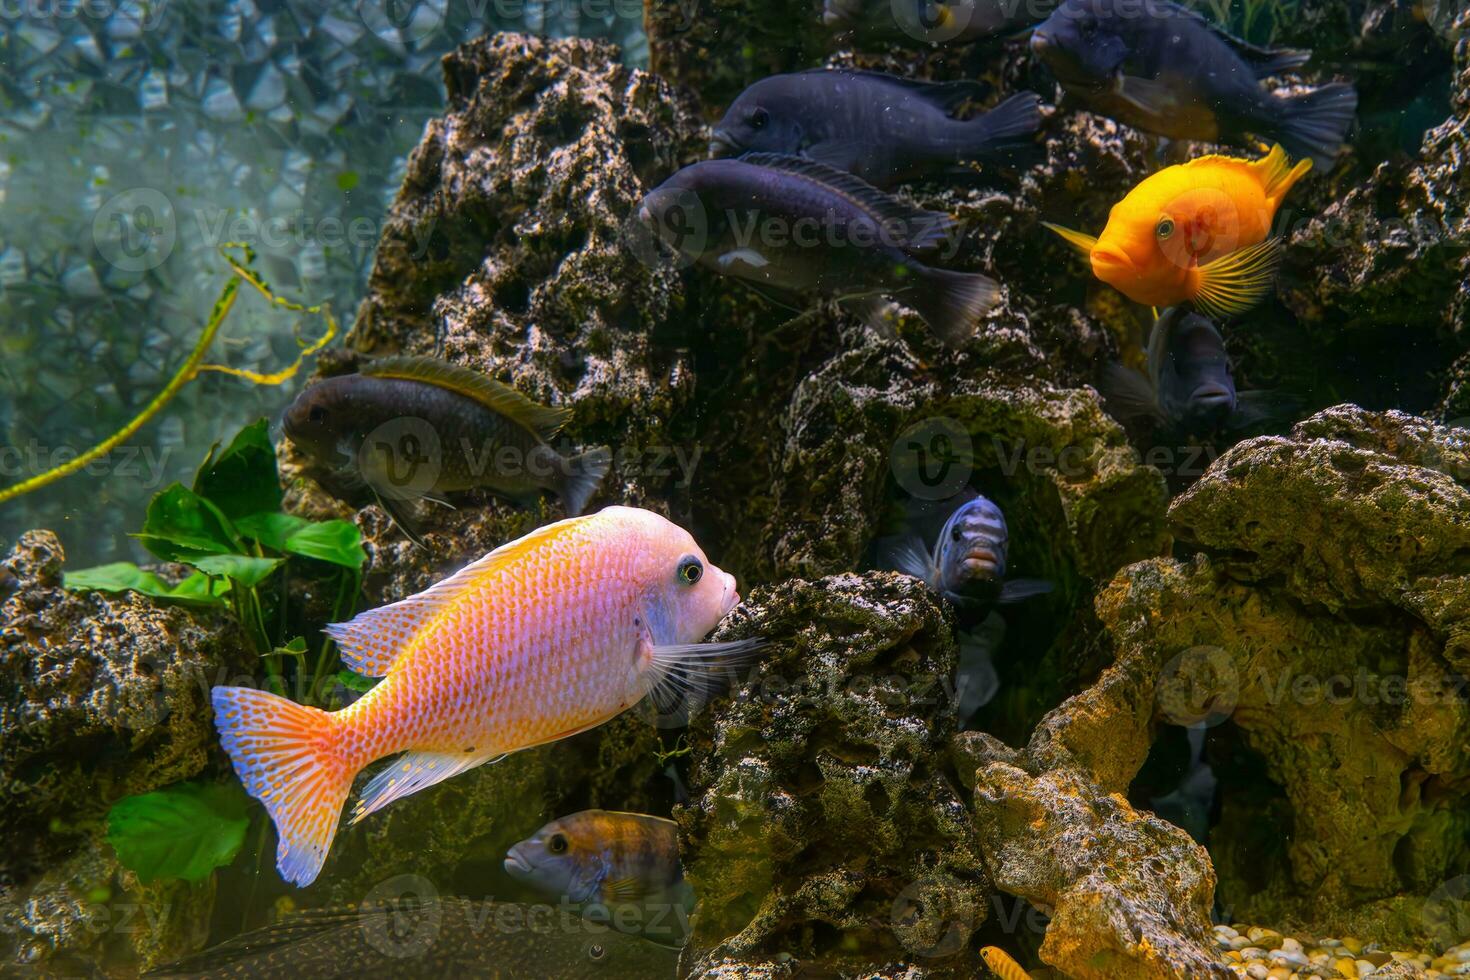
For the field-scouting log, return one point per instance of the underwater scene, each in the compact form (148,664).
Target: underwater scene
(735,489)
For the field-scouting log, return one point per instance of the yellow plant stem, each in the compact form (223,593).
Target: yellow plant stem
(192,367)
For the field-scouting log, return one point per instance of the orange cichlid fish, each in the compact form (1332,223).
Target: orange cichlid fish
(544,637)
(1196,232)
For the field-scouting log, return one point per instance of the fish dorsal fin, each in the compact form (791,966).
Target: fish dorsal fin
(544,420)
(913,228)
(947,96)
(373,641)
(1276,173)
(1263,61)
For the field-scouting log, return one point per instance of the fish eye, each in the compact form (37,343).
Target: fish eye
(317,413)
(557,844)
(957,533)
(1165,227)
(759,118)
(596,951)
(691,569)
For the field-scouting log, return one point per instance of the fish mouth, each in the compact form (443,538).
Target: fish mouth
(721,145)
(980,563)
(1212,398)
(516,864)
(730,597)
(1110,263)
(1041,43)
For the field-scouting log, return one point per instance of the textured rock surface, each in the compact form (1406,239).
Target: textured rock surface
(1325,619)
(103,697)
(1129,893)
(826,822)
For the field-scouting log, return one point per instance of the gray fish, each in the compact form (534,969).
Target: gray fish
(806,229)
(968,561)
(1190,386)
(1164,69)
(618,867)
(879,127)
(415,427)
(444,937)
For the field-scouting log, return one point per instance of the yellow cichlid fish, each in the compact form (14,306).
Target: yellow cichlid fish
(544,637)
(1196,232)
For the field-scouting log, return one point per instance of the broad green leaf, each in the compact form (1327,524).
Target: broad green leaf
(248,571)
(338,542)
(181,525)
(242,479)
(270,528)
(124,576)
(181,831)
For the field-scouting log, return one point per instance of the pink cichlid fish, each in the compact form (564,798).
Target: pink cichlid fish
(544,637)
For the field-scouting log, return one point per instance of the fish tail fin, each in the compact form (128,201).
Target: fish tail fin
(952,302)
(1082,242)
(1314,124)
(1006,133)
(289,758)
(583,475)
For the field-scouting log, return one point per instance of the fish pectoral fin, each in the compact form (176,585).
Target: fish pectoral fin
(400,513)
(870,309)
(624,890)
(907,555)
(1152,98)
(685,676)
(414,771)
(1018,589)
(1081,242)
(1235,282)
(747,257)
(1128,393)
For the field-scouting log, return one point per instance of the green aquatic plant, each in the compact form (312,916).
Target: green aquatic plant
(193,366)
(229,528)
(181,831)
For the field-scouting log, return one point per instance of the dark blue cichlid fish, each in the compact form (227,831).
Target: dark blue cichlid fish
(804,229)
(411,428)
(1161,68)
(1190,386)
(968,562)
(879,127)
